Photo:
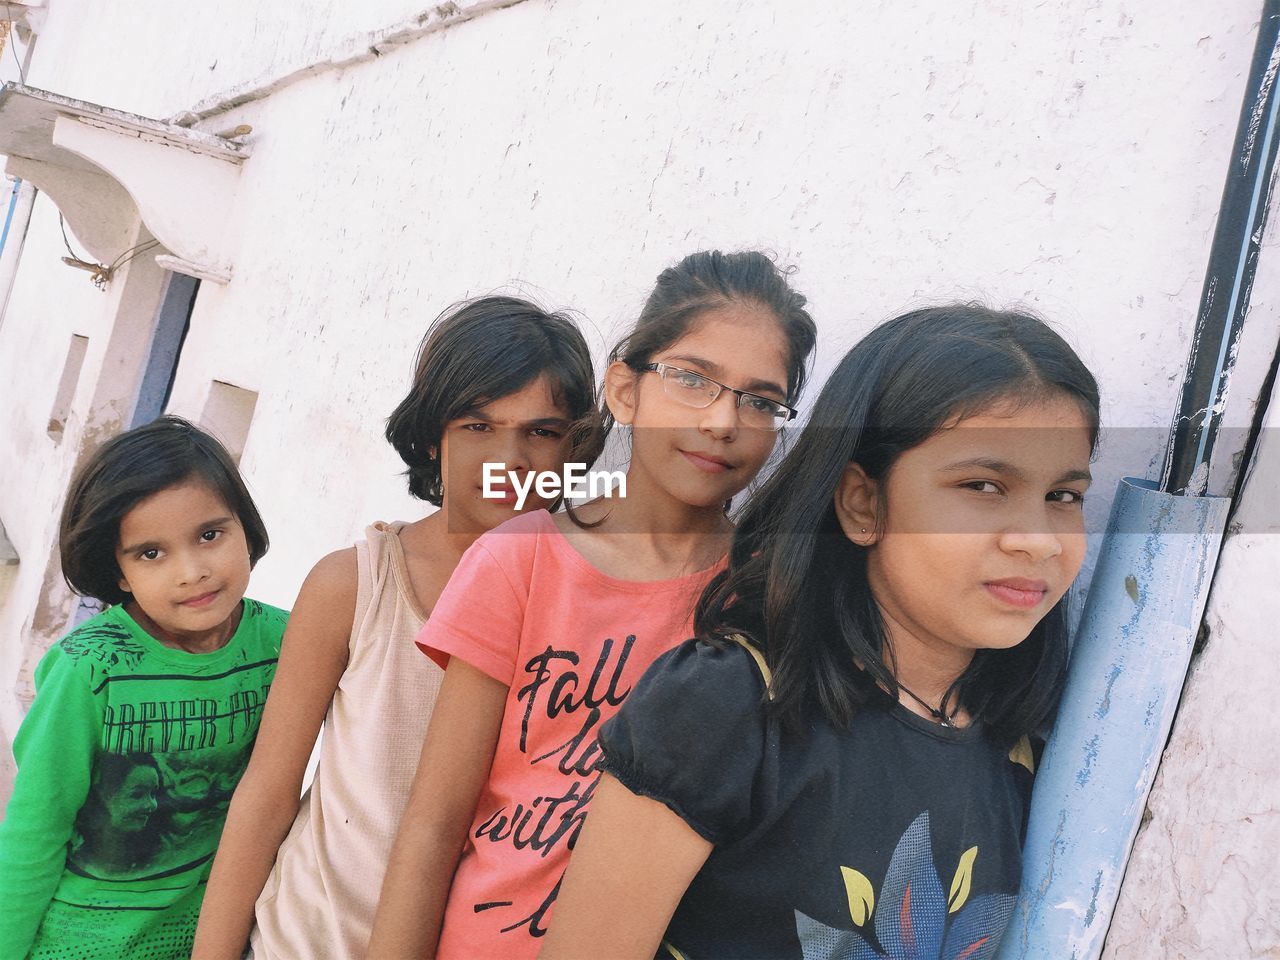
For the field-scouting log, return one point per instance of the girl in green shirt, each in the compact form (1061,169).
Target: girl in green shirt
(144,715)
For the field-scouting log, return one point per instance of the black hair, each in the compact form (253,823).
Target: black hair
(479,351)
(127,469)
(798,587)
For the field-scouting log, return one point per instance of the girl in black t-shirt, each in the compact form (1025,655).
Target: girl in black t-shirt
(840,766)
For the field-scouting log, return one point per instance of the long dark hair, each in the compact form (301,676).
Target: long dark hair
(479,351)
(124,471)
(798,587)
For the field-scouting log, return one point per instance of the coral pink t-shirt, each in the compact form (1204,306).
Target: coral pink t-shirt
(570,642)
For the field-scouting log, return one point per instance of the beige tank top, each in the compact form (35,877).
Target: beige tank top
(319,901)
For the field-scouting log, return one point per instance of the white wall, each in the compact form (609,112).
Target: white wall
(1068,157)
(890,160)
(93,51)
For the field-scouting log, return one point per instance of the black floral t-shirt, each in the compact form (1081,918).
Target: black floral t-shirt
(894,838)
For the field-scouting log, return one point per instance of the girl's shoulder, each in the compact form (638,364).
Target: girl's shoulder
(258,638)
(502,563)
(718,687)
(330,586)
(693,734)
(264,617)
(535,523)
(516,542)
(727,671)
(109,641)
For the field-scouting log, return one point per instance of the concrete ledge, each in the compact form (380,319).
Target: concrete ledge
(105,169)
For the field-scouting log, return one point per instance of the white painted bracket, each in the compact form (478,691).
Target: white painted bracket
(183,195)
(105,169)
(100,211)
(174,264)
(27,16)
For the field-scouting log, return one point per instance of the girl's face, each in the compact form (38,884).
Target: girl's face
(525,431)
(704,456)
(981,529)
(183,555)
(134,803)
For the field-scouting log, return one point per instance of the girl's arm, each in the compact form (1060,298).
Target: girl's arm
(452,771)
(631,866)
(55,750)
(313,655)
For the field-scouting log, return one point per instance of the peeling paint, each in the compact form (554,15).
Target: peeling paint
(1259,108)
(1090,758)
(1105,707)
(1093,901)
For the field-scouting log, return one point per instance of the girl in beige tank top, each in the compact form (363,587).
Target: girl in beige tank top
(497,380)
(323,889)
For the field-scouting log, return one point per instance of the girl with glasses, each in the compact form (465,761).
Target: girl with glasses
(550,620)
(839,767)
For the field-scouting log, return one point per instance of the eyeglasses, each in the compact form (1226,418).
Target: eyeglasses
(695,390)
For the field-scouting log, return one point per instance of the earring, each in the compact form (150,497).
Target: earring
(864,529)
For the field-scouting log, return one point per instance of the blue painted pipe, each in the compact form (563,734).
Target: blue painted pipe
(1149,590)
(8,218)
(1128,664)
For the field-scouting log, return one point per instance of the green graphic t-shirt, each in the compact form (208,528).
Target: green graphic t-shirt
(126,766)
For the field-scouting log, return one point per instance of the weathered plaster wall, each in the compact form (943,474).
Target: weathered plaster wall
(235,45)
(1070,160)
(1066,156)
(413,181)
(46,308)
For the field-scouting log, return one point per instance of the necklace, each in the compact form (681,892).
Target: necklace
(944,719)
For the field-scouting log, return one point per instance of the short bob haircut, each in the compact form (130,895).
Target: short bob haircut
(479,351)
(126,470)
(796,584)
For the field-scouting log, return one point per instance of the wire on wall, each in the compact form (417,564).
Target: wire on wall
(101,273)
(8,42)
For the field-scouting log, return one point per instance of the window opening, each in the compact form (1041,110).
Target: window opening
(67,386)
(227,415)
(173,320)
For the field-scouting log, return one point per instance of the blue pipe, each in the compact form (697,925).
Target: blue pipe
(8,217)
(1149,590)
(1128,663)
